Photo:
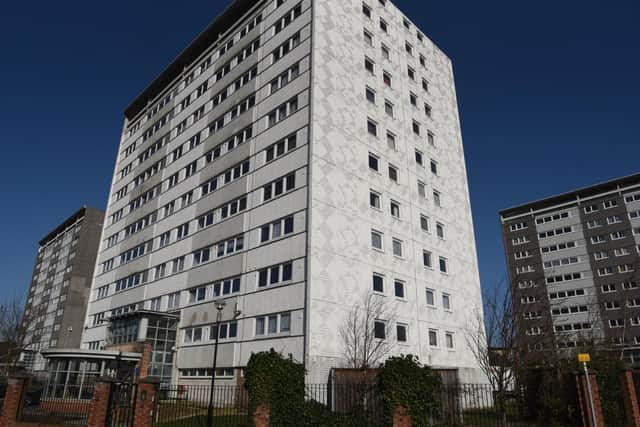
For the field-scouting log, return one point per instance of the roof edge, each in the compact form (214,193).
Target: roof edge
(571,196)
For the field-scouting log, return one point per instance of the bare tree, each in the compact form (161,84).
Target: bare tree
(363,348)
(495,341)
(14,330)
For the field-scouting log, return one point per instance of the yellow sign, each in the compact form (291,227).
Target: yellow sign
(584,358)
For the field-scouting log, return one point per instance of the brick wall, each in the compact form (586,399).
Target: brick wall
(13,400)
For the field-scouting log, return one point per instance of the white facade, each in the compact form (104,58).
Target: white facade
(300,214)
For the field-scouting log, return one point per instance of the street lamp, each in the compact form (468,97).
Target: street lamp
(219,306)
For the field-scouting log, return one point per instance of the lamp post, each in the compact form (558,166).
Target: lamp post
(219,306)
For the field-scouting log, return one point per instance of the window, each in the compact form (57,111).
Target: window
(610,204)
(383,25)
(431,139)
(282,112)
(371,95)
(607,289)
(276,229)
(275,274)
(395,209)
(378,283)
(273,324)
(446,301)
(372,127)
(419,157)
(226,287)
(436,198)
(401,333)
(433,338)
(425,84)
(434,167)
(279,187)
(366,10)
(427,259)
(397,248)
(376,240)
(183,231)
(379,330)
(449,340)
(283,79)
(416,128)
(374,162)
(391,141)
(369,65)
(618,235)
(388,108)
(422,192)
(399,289)
(177,265)
(374,199)
(165,238)
(174,300)
(393,173)
(427,109)
(444,268)
(385,51)
(408,48)
(192,335)
(424,222)
(386,79)
(286,47)
(406,23)
(196,295)
(440,230)
(368,37)
(201,256)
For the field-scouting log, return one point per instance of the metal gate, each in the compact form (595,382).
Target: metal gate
(122,403)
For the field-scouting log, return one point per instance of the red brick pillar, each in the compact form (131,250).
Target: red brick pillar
(99,408)
(146,400)
(630,397)
(401,417)
(583,396)
(261,415)
(14,400)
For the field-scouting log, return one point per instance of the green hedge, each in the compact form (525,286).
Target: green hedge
(406,382)
(278,382)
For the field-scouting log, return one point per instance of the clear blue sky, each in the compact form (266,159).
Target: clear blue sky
(549,98)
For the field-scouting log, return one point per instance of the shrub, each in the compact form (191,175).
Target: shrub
(278,382)
(405,382)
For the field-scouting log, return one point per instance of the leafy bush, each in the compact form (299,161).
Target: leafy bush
(406,382)
(276,381)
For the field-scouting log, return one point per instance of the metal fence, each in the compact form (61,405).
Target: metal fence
(122,403)
(50,411)
(187,406)
(344,404)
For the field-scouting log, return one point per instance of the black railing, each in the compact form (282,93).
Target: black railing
(56,411)
(187,406)
(344,404)
(122,404)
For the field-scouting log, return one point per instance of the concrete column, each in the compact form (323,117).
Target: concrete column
(14,400)
(146,400)
(630,396)
(99,408)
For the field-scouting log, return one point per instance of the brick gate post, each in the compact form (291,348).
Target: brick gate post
(99,408)
(630,396)
(585,405)
(146,400)
(14,400)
